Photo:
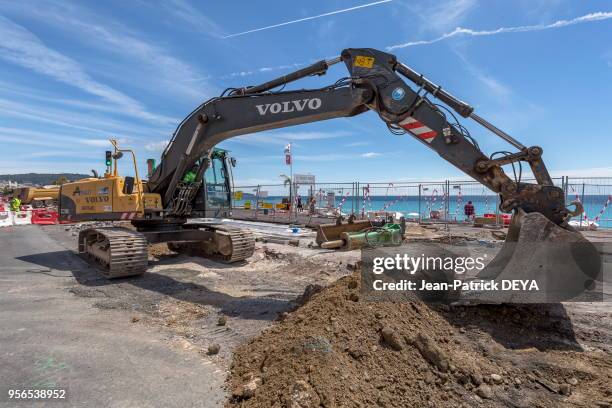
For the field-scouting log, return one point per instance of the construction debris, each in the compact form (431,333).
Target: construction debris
(335,351)
(214,349)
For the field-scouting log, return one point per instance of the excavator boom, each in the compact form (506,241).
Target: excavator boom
(374,83)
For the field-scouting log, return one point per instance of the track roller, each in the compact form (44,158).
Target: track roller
(233,244)
(221,243)
(121,252)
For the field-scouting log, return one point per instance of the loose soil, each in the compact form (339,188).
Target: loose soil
(338,350)
(294,341)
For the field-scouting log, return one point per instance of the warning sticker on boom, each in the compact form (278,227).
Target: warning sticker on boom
(364,62)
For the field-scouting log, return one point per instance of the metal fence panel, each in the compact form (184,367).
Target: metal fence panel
(427,200)
(595,194)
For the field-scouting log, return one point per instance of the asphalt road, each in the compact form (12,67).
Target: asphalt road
(50,338)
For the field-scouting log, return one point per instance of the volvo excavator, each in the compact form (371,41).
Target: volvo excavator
(160,207)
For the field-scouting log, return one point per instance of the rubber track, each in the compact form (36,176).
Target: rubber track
(243,242)
(128,251)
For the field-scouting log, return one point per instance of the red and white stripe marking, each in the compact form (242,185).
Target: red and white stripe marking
(418,129)
(392,203)
(128,215)
(431,200)
(603,210)
(459,201)
(366,197)
(339,208)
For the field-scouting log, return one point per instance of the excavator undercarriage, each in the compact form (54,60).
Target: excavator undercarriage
(119,251)
(123,252)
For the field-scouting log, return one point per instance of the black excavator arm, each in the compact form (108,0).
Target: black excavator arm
(225,117)
(373,84)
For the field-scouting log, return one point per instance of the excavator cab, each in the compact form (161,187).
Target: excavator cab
(215,195)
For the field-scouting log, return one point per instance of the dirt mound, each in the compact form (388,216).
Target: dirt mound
(337,350)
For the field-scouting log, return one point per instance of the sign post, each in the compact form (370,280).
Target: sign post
(289,162)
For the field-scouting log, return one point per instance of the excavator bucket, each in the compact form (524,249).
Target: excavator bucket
(561,261)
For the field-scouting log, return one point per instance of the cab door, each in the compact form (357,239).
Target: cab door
(216,189)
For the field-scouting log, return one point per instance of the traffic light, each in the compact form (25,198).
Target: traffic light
(109,158)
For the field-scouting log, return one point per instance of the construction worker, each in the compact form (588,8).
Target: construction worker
(15,204)
(468,210)
(190,176)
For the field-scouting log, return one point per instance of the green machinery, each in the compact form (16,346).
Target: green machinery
(387,235)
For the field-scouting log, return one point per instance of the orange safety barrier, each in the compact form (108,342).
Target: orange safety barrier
(505,217)
(43,216)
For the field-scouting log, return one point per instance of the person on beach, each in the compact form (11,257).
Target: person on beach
(468,210)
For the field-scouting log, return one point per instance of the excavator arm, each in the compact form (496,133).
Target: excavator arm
(374,83)
(225,117)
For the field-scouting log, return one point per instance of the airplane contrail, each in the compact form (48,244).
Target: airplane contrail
(308,18)
(598,16)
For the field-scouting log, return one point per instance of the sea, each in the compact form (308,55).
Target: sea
(483,204)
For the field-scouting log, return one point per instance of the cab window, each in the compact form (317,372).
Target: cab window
(217,194)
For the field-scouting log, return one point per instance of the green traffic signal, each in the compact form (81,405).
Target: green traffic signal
(109,158)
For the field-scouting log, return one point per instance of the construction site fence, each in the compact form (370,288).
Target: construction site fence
(440,201)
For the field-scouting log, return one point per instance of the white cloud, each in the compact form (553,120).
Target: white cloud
(295,65)
(52,139)
(157,146)
(262,70)
(321,157)
(76,120)
(370,155)
(155,67)
(608,58)
(459,31)
(437,14)
(445,14)
(23,48)
(28,93)
(585,172)
(357,144)
(59,153)
(237,74)
(311,135)
(41,166)
(195,19)
(281,138)
(493,85)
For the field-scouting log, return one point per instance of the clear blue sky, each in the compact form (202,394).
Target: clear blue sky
(74,73)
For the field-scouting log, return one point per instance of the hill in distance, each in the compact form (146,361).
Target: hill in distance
(41,178)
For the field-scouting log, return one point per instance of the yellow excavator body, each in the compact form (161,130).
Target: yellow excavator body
(27,195)
(123,251)
(107,198)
